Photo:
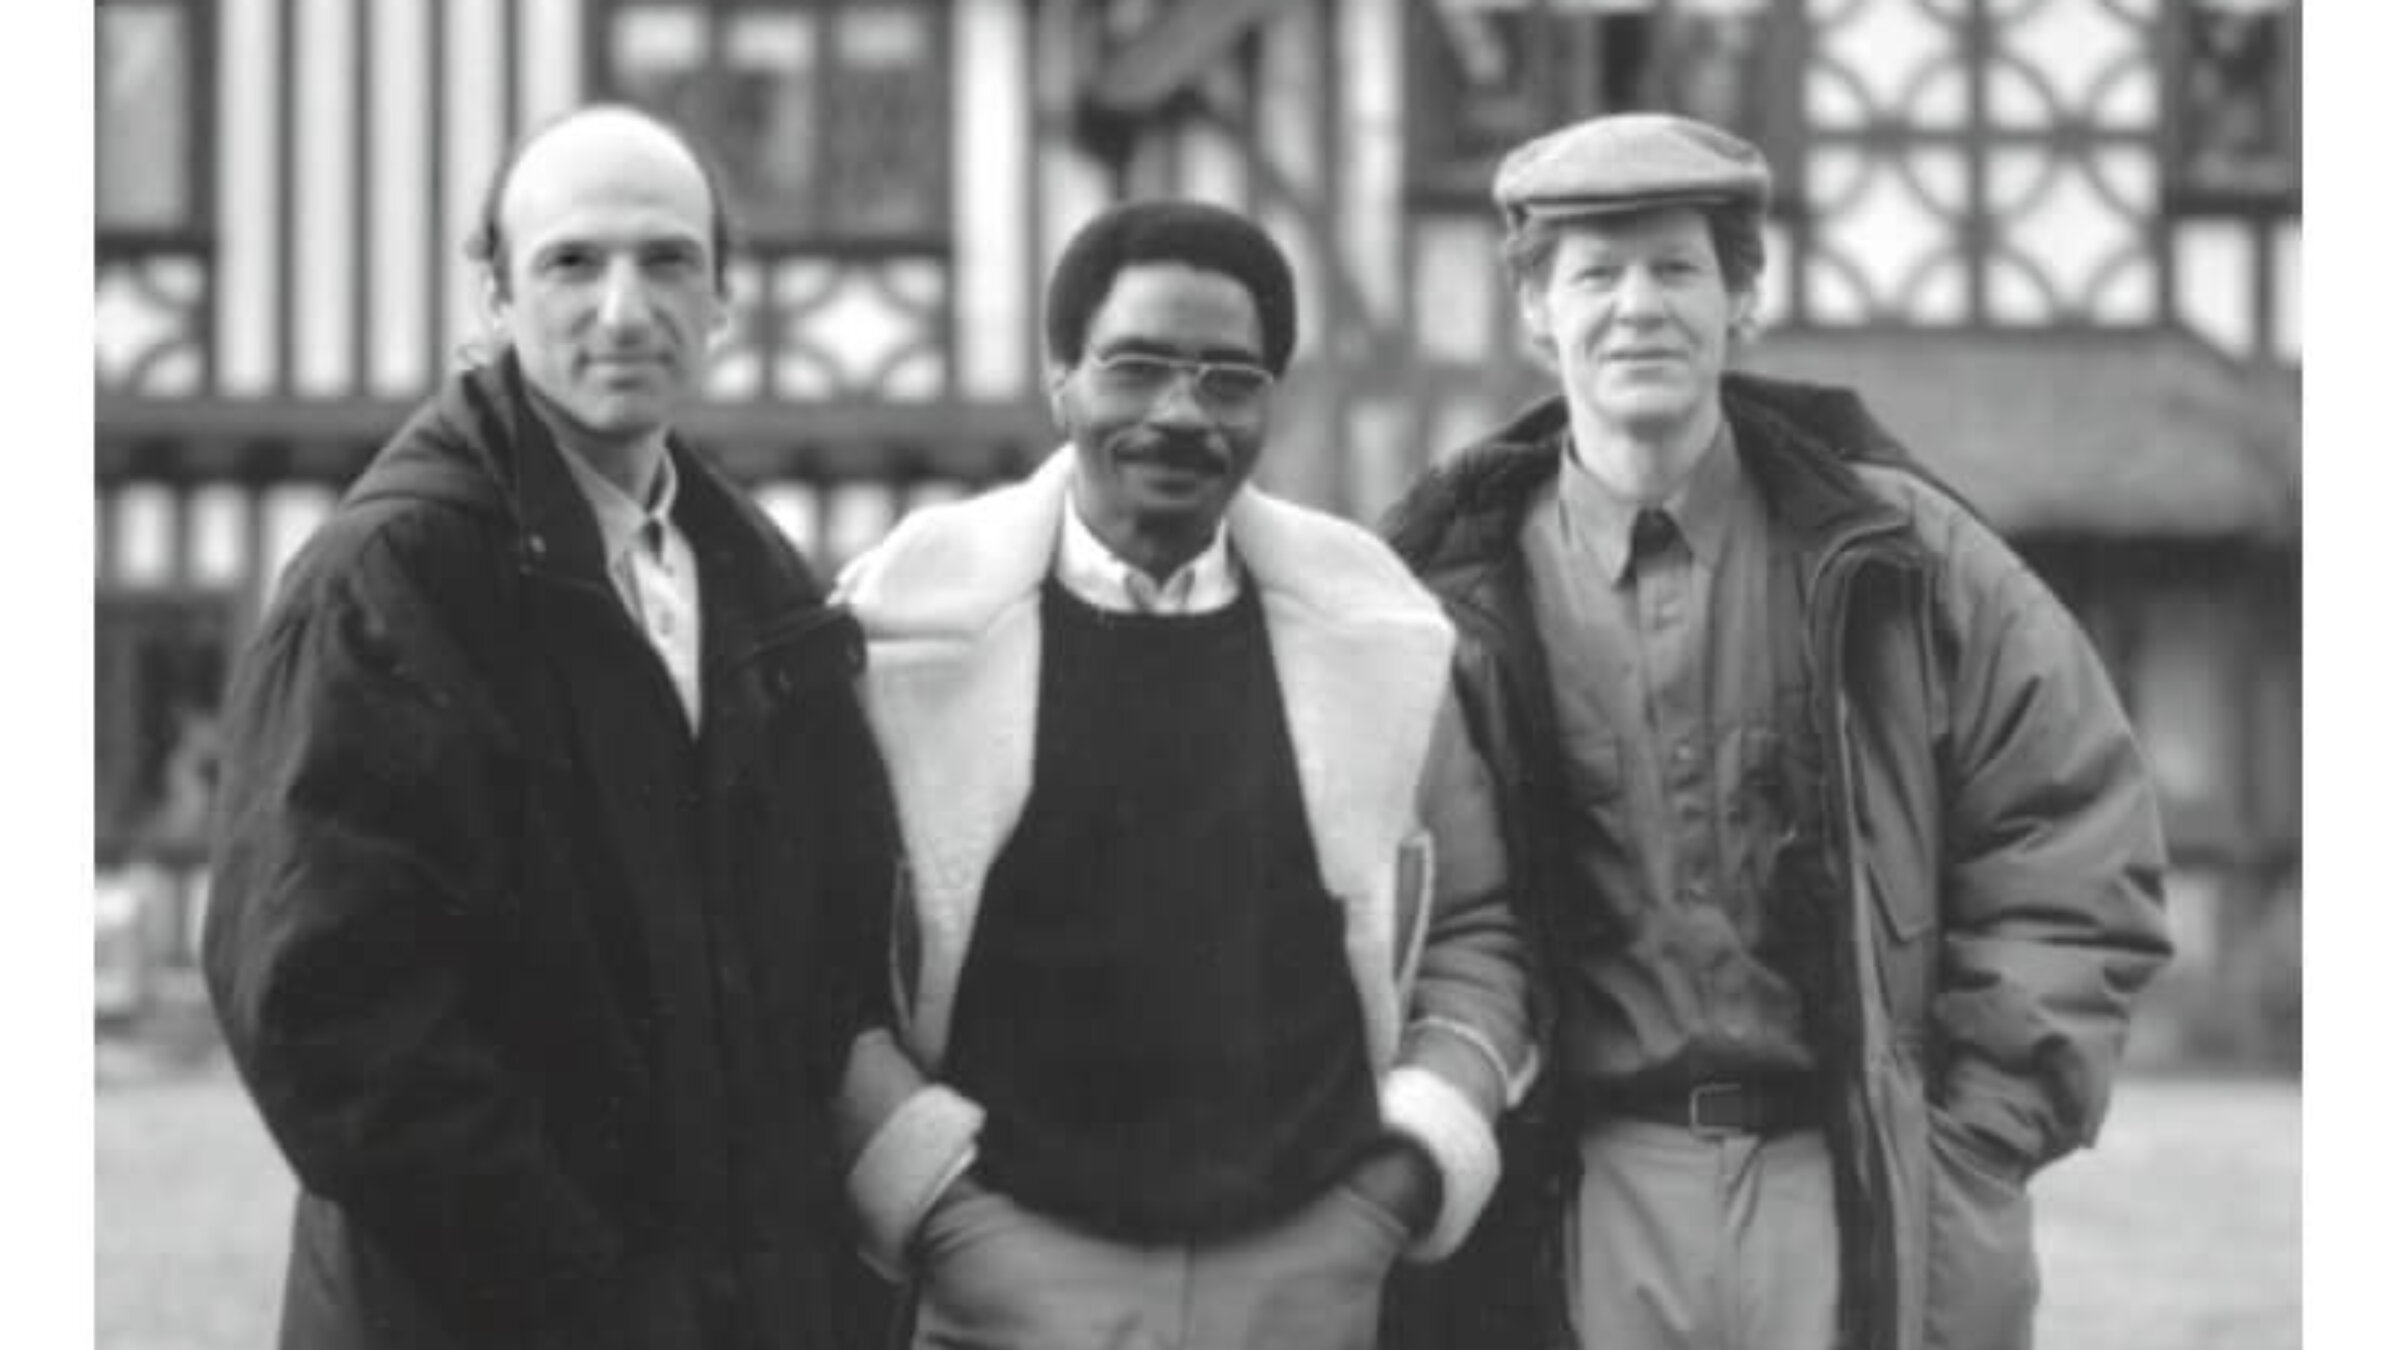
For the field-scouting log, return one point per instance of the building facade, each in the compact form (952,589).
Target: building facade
(2055,242)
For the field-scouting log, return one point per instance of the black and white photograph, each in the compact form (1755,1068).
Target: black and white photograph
(1202,674)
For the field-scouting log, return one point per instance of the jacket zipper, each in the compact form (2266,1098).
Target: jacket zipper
(1831,584)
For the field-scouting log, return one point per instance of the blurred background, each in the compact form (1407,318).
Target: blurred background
(2055,243)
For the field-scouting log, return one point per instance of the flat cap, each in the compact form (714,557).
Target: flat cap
(1628,162)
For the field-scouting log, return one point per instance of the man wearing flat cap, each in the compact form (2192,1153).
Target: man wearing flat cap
(1836,846)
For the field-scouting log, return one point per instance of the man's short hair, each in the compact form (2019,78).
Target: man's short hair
(1195,234)
(487,242)
(1736,230)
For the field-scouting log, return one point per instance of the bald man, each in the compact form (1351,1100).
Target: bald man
(546,879)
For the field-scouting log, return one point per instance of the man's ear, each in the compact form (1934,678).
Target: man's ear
(1745,321)
(1533,331)
(1056,388)
(720,320)
(1534,311)
(495,303)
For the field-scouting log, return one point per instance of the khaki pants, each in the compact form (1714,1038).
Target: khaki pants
(1680,1241)
(996,1276)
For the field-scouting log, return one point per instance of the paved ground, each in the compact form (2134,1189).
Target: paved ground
(2182,1232)
(190,1212)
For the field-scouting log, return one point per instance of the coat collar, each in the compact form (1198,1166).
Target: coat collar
(478,445)
(1801,444)
(947,574)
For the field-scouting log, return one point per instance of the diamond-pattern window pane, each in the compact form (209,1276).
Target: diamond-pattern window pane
(1883,60)
(859,330)
(145,324)
(2075,62)
(144,115)
(2067,232)
(1886,236)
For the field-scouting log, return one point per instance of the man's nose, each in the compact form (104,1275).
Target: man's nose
(623,301)
(1179,403)
(1639,295)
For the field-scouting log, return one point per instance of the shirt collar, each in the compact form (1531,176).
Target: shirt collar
(620,517)
(1702,507)
(1098,577)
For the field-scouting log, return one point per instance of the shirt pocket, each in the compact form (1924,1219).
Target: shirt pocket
(1592,768)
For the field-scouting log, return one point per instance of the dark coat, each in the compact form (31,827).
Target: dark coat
(1984,878)
(542,997)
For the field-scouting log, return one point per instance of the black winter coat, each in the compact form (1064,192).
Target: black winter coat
(541,996)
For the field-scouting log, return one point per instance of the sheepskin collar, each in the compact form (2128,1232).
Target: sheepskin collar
(950,605)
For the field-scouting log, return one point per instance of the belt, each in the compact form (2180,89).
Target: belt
(1764,1106)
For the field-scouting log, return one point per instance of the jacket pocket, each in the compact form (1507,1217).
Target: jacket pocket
(1981,1279)
(1592,767)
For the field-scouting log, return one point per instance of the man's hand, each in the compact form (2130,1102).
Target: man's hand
(963,1190)
(1397,1176)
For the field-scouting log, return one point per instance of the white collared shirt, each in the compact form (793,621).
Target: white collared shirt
(1098,577)
(650,564)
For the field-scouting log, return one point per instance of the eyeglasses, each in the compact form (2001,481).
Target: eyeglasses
(1225,385)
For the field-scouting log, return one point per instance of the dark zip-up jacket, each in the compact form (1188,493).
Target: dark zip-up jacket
(1980,852)
(541,996)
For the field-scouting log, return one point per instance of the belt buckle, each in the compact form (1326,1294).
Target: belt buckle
(1696,1112)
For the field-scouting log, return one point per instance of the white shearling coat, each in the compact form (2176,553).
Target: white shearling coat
(951,607)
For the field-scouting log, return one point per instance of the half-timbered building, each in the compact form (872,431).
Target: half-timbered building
(2056,242)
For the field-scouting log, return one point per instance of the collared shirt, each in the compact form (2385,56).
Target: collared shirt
(1673,668)
(1098,577)
(650,564)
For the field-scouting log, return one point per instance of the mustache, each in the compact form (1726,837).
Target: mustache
(1178,450)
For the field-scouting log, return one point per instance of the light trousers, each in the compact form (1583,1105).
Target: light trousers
(1684,1241)
(996,1276)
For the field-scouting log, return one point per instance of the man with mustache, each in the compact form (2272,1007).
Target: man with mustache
(1839,856)
(1207,987)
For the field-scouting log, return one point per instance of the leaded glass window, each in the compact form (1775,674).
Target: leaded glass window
(1491,73)
(2237,122)
(829,118)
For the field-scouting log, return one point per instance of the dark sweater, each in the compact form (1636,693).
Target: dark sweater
(1156,1011)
